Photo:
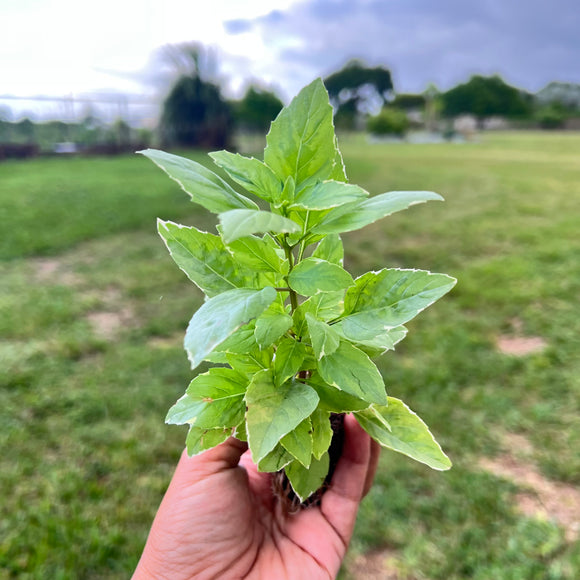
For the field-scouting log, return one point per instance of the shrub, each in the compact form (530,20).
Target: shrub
(389,121)
(550,118)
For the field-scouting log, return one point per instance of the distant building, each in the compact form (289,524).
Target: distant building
(566,94)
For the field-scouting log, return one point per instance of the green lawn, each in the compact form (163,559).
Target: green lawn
(92,313)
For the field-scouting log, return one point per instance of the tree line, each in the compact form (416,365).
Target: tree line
(196,114)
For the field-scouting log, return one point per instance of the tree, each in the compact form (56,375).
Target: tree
(409,101)
(257,109)
(356,89)
(25,131)
(194,112)
(484,97)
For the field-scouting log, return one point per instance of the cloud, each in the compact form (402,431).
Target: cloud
(238,26)
(423,41)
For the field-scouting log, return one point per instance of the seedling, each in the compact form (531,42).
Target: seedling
(292,336)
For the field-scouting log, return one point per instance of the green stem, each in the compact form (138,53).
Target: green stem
(290,257)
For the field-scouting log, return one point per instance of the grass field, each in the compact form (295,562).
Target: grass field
(92,313)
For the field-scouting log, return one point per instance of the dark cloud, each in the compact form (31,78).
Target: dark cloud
(529,43)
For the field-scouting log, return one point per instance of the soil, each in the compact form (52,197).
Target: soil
(517,344)
(520,345)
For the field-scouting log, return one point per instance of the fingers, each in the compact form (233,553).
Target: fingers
(353,474)
(372,469)
(224,456)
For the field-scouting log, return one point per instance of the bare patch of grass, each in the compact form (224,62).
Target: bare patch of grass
(517,344)
(540,497)
(375,565)
(54,271)
(109,325)
(521,345)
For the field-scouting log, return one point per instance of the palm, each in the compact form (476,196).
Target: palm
(220,520)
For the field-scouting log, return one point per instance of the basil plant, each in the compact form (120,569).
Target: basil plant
(290,335)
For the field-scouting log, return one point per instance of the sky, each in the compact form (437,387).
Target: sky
(71,47)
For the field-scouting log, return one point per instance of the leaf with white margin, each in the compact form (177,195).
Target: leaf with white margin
(324,339)
(199,440)
(203,258)
(382,300)
(213,400)
(306,481)
(221,316)
(408,434)
(299,442)
(328,194)
(238,223)
(253,175)
(357,215)
(313,275)
(203,186)
(321,432)
(274,411)
(352,371)
(301,142)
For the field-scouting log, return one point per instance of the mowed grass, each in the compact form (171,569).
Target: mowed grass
(92,313)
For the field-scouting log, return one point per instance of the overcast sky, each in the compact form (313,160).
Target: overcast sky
(59,47)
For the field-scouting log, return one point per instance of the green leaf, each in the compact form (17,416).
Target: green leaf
(257,253)
(330,249)
(250,363)
(328,305)
(253,175)
(301,142)
(240,432)
(351,370)
(379,344)
(334,400)
(289,356)
(299,442)
(321,432)
(199,440)
(339,171)
(271,326)
(325,340)
(287,195)
(386,299)
(238,223)
(213,399)
(328,194)
(357,215)
(274,461)
(373,414)
(306,481)
(203,258)
(220,317)
(242,341)
(313,275)
(408,434)
(325,306)
(204,186)
(274,411)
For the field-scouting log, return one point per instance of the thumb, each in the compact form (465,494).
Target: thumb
(220,458)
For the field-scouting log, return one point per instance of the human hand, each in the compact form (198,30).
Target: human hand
(220,519)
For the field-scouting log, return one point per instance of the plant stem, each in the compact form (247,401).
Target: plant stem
(290,257)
